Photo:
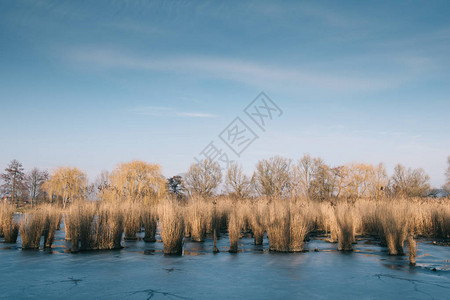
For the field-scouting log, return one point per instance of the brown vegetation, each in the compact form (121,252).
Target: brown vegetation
(345,221)
(198,216)
(31,227)
(9,228)
(52,219)
(287,226)
(172,227)
(257,217)
(395,226)
(132,219)
(150,222)
(109,227)
(287,200)
(235,224)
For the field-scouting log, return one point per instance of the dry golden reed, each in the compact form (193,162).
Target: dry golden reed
(52,219)
(288,224)
(256,216)
(31,228)
(149,221)
(345,221)
(172,227)
(235,224)
(132,219)
(9,227)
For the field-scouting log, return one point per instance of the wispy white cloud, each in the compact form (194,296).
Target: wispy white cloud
(162,111)
(152,110)
(196,115)
(243,71)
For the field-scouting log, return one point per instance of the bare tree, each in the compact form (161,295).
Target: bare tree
(102,184)
(237,183)
(13,179)
(303,176)
(359,180)
(203,178)
(313,179)
(409,182)
(447,174)
(380,181)
(339,176)
(34,181)
(322,184)
(272,177)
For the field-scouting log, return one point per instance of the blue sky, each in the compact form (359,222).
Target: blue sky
(92,84)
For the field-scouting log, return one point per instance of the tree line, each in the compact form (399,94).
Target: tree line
(277,176)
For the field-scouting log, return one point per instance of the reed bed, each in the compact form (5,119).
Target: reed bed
(198,217)
(9,227)
(172,227)
(326,221)
(345,220)
(132,219)
(149,220)
(287,226)
(109,227)
(395,226)
(257,216)
(235,224)
(79,226)
(288,222)
(52,220)
(31,228)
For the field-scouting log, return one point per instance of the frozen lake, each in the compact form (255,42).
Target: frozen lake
(141,271)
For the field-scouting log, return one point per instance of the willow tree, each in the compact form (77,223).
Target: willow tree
(136,181)
(68,184)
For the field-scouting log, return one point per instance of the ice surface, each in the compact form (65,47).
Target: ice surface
(141,271)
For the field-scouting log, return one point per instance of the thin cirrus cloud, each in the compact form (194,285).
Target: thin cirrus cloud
(242,71)
(196,115)
(160,111)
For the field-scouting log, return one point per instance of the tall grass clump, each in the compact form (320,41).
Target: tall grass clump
(132,220)
(328,221)
(79,226)
(215,226)
(287,226)
(411,249)
(300,226)
(346,227)
(223,207)
(52,219)
(109,227)
(150,222)
(394,225)
(31,228)
(368,221)
(257,214)
(235,223)
(172,227)
(197,217)
(9,227)
(440,216)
